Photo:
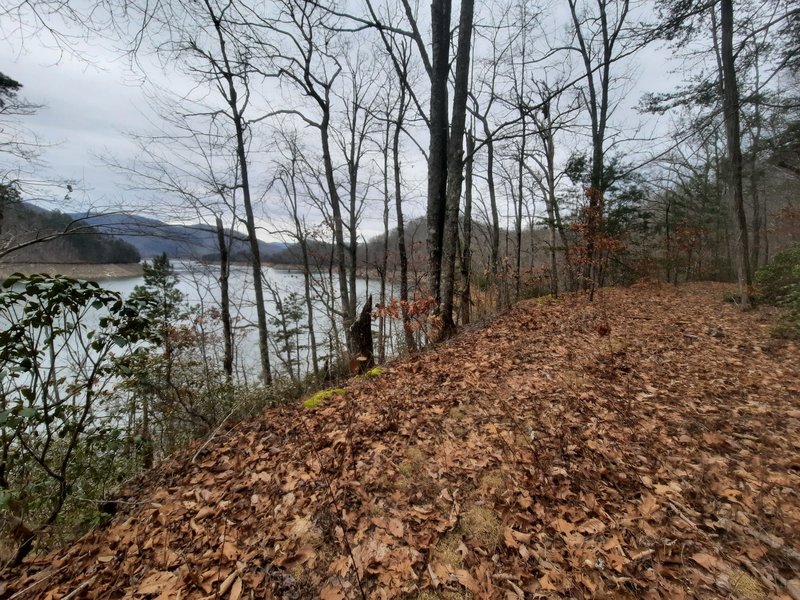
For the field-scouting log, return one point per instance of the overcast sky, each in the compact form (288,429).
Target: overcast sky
(90,104)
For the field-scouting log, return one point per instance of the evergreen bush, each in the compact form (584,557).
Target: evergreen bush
(779,284)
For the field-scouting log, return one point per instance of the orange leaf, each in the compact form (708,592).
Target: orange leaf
(707,561)
(331,593)
(468,581)
(236,590)
(592,526)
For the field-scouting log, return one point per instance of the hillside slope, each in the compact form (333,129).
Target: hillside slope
(152,237)
(644,446)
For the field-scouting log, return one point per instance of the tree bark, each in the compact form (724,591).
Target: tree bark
(466,256)
(730,103)
(437,149)
(361,333)
(225,303)
(455,166)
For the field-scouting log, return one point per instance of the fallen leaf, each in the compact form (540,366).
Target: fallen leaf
(331,593)
(236,590)
(706,561)
(468,581)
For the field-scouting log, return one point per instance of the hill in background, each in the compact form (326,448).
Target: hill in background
(111,238)
(45,236)
(152,237)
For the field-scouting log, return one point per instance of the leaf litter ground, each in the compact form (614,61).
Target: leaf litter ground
(643,446)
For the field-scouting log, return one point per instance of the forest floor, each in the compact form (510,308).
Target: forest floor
(643,446)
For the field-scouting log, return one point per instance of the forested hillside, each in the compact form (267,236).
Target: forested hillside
(32,235)
(641,446)
(152,237)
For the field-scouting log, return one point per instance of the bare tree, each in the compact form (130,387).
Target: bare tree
(290,176)
(455,167)
(731,108)
(207,42)
(310,63)
(599,41)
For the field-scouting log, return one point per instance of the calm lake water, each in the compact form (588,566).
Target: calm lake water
(200,284)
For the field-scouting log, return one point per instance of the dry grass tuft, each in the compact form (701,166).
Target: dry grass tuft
(483,525)
(446,551)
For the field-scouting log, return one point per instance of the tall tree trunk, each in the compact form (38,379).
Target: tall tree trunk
(494,237)
(353,163)
(755,250)
(455,165)
(255,252)
(348,303)
(518,210)
(408,332)
(730,103)
(241,154)
(312,335)
(302,240)
(521,158)
(385,256)
(437,149)
(225,303)
(466,256)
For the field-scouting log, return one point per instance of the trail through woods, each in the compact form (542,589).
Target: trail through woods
(644,446)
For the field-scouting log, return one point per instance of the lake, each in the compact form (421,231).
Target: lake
(200,284)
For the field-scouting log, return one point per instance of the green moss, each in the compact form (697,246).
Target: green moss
(320,397)
(373,372)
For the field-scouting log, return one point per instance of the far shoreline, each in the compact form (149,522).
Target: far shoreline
(85,271)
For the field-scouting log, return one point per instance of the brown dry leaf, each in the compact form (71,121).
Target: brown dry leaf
(713,438)
(204,512)
(230,551)
(508,538)
(468,581)
(617,562)
(610,432)
(649,505)
(157,582)
(341,566)
(395,527)
(563,526)
(236,590)
(592,526)
(707,561)
(547,584)
(331,593)
(301,556)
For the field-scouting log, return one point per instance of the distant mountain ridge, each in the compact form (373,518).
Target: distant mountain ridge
(32,234)
(152,237)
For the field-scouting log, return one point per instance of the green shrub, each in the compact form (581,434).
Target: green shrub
(780,277)
(779,284)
